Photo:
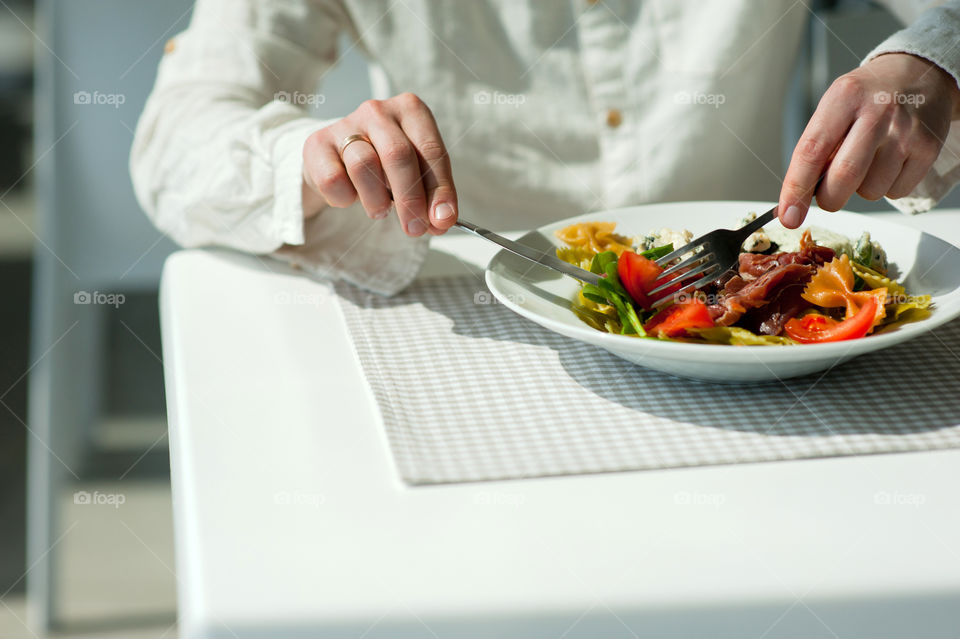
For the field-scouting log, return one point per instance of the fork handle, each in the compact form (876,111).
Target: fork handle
(760,222)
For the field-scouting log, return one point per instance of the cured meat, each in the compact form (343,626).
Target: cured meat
(740,295)
(770,318)
(754,264)
(767,291)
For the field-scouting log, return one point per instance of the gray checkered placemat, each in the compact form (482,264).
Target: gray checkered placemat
(470,391)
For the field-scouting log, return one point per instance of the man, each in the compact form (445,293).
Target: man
(545,108)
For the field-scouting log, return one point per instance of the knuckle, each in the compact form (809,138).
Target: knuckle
(926,149)
(811,150)
(829,203)
(371,108)
(409,100)
(330,180)
(397,153)
(379,203)
(896,193)
(413,201)
(445,193)
(845,170)
(849,87)
(902,188)
(874,119)
(869,192)
(363,164)
(433,150)
(314,142)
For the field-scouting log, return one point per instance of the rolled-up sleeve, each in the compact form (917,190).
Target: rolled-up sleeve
(933,34)
(217,155)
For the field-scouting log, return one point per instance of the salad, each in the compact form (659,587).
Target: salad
(789,287)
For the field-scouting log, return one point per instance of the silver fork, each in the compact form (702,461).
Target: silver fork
(720,252)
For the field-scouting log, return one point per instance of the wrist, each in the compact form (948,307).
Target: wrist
(938,80)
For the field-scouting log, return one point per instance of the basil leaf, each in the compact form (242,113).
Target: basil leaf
(601,260)
(657,252)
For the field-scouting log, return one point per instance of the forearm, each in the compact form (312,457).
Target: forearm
(217,153)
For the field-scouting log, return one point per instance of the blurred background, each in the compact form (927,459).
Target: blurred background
(86,534)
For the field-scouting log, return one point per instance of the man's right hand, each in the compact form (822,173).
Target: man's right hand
(404,166)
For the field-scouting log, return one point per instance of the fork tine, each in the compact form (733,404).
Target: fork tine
(706,279)
(690,261)
(683,250)
(710,276)
(709,265)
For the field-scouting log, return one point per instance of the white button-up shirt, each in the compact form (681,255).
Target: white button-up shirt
(548,109)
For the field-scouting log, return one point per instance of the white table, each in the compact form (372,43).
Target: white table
(291,520)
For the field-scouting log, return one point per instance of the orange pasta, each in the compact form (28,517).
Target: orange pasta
(832,287)
(597,236)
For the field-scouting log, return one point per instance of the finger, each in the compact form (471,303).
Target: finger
(887,165)
(363,167)
(402,168)
(820,138)
(850,165)
(421,128)
(913,171)
(923,152)
(325,172)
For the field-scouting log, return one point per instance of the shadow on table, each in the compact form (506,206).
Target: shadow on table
(848,617)
(898,391)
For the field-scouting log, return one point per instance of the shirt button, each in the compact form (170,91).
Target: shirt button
(169,46)
(614,118)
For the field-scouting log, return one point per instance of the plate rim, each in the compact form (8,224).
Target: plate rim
(712,352)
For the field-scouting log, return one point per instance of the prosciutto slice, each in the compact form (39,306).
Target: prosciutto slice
(767,289)
(754,264)
(739,295)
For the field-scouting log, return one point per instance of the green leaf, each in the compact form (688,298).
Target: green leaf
(594,294)
(863,252)
(600,261)
(628,316)
(610,291)
(657,252)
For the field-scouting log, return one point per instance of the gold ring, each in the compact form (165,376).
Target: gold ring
(350,139)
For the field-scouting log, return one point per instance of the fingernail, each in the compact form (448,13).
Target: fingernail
(792,217)
(443,211)
(416,226)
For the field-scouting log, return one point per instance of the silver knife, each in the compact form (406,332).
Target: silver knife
(543,259)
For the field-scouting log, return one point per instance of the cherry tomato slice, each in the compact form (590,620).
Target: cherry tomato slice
(814,327)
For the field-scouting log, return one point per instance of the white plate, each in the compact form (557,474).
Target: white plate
(925,265)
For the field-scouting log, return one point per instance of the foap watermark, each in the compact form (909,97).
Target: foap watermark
(298,498)
(299,298)
(96,498)
(99,99)
(897,498)
(886,97)
(714,100)
(98,298)
(299,98)
(485,297)
(686,498)
(488,498)
(496,98)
